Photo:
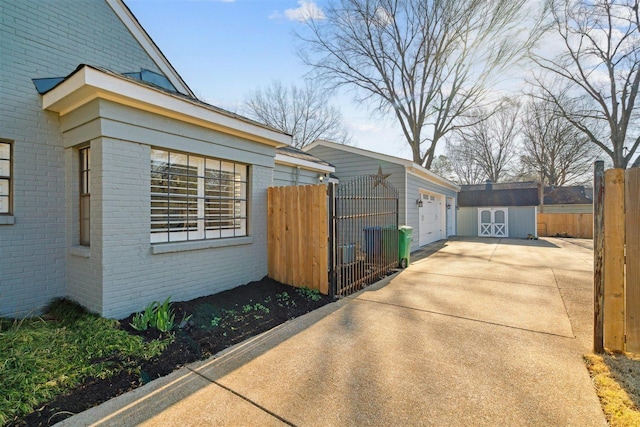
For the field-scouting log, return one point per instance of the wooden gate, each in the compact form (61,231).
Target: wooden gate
(297,236)
(617,259)
(363,233)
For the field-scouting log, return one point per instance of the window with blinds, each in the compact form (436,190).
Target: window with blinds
(196,198)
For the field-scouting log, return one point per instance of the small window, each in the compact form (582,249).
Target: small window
(5,178)
(85,196)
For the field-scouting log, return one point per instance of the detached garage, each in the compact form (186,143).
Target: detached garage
(426,201)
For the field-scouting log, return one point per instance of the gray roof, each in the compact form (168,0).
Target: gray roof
(523,194)
(576,195)
(299,154)
(501,186)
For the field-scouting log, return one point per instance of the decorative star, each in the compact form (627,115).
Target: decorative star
(380,177)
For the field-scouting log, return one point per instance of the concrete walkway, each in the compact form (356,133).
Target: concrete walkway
(476,332)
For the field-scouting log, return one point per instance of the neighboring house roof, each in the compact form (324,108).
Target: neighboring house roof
(87,83)
(409,166)
(295,157)
(133,25)
(576,195)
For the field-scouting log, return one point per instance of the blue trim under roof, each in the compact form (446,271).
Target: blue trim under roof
(45,85)
(154,78)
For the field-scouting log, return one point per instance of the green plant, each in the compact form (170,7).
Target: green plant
(260,307)
(164,317)
(310,294)
(246,308)
(284,300)
(215,322)
(142,320)
(156,315)
(42,357)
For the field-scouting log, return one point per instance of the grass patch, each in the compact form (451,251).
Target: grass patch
(42,357)
(616,377)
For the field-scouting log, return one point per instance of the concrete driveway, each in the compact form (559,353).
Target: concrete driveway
(475,332)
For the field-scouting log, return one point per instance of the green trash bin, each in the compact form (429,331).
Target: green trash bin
(404,244)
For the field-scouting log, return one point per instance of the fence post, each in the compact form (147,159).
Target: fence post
(632,225)
(332,238)
(598,256)
(614,316)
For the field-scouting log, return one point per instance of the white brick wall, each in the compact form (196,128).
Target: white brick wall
(133,276)
(47,39)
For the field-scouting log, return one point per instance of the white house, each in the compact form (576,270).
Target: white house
(117,186)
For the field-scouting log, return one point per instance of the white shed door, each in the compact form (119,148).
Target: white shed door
(493,222)
(430,219)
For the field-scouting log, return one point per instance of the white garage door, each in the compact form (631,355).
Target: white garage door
(431,218)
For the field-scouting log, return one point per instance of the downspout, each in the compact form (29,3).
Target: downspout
(297,175)
(406,194)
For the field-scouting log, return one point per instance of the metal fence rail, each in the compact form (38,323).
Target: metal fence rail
(363,233)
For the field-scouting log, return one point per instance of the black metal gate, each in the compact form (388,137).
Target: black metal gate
(363,234)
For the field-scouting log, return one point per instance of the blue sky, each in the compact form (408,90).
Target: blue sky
(225,49)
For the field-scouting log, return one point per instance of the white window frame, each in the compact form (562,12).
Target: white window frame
(84,195)
(6,173)
(196,197)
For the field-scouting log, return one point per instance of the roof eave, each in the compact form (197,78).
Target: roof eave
(420,171)
(408,164)
(305,164)
(87,84)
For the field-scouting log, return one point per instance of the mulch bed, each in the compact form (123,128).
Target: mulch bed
(218,321)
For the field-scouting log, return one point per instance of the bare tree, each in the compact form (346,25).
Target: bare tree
(490,139)
(556,150)
(465,168)
(427,61)
(442,166)
(600,60)
(305,113)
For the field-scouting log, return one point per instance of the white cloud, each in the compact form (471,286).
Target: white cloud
(306,10)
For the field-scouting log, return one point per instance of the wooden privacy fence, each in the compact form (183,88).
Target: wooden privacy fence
(566,224)
(617,259)
(297,236)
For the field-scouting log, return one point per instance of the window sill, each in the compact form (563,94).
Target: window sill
(80,251)
(7,220)
(165,248)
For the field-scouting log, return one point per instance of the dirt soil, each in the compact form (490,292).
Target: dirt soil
(217,322)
